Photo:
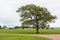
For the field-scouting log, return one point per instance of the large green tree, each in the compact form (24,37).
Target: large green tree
(32,15)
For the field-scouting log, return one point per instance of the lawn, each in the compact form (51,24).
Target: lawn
(21,38)
(29,31)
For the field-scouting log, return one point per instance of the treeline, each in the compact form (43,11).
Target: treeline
(17,27)
(22,27)
(3,27)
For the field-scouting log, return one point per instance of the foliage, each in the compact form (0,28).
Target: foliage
(16,27)
(32,15)
(4,27)
(0,27)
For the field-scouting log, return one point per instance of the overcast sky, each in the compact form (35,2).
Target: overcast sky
(10,18)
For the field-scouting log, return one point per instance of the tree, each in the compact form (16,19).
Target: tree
(32,15)
(4,27)
(17,27)
(0,27)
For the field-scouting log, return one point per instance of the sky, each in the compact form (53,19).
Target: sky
(10,18)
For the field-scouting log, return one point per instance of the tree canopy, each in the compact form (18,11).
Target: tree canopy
(32,15)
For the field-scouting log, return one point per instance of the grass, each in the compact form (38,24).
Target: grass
(29,31)
(22,38)
(17,31)
(50,31)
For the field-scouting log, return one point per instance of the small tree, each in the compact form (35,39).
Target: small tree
(0,27)
(4,27)
(16,27)
(32,15)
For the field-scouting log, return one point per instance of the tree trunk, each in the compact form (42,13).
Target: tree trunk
(37,27)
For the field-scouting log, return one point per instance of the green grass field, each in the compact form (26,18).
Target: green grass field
(29,31)
(22,38)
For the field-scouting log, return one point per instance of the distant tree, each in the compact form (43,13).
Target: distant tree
(32,15)
(0,27)
(52,28)
(4,27)
(16,27)
(25,26)
(10,28)
(47,27)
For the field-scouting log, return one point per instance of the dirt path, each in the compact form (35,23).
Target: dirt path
(50,36)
